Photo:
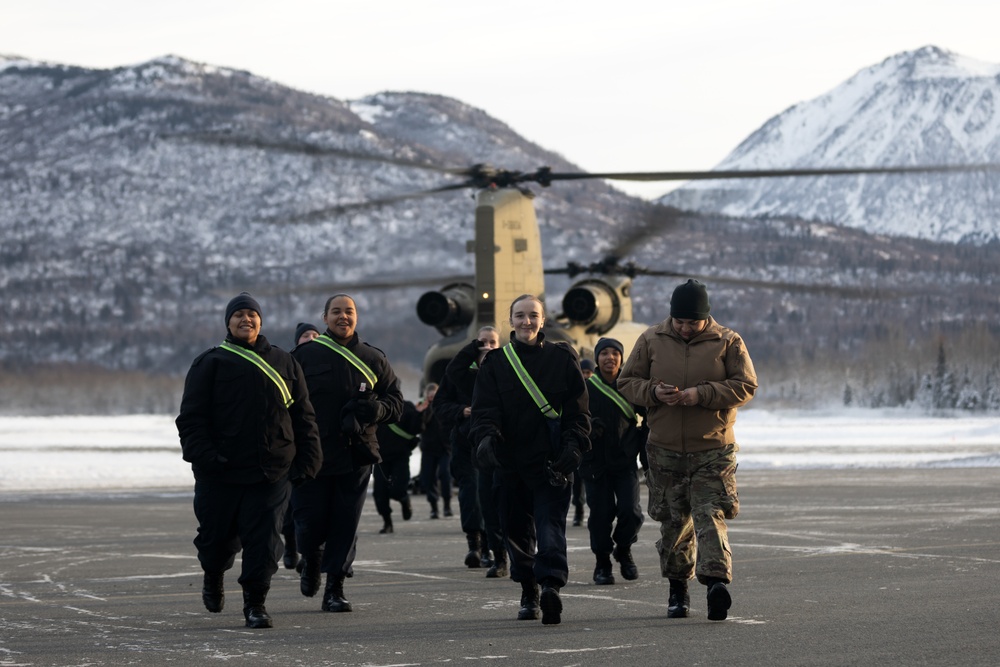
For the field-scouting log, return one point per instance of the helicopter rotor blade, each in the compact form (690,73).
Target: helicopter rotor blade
(328,289)
(770,173)
(304,148)
(322,214)
(846,291)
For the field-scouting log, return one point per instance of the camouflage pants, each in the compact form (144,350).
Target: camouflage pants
(692,495)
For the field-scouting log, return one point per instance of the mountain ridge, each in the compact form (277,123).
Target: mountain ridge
(924,107)
(125,231)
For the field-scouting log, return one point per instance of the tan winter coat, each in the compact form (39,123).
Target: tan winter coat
(715,361)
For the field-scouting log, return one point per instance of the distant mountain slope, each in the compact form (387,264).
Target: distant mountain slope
(123,236)
(928,106)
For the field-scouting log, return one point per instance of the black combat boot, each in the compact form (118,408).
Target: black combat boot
(679,603)
(253,606)
(387,526)
(333,596)
(529,601)
(212,595)
(474,557)
(602,573)
(624,557)
(447,507)
(407,508)
(291,556)
(484,558)
(499,568)
(578,515)
(311,577)
(434,511)
(551,605)
(719,600)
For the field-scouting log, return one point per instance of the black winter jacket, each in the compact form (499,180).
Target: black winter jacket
(234,426)
(395,447)
(455,394)
(502,407)
(333,384)
(615,439)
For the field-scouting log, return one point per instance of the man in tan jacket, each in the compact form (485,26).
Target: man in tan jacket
(692,374)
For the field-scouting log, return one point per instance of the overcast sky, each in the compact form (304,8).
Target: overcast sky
(612,85)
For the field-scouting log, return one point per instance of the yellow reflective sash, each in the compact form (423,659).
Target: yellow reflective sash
(397,429)
(352,358)
(617,398)
(265,368)
(529,383)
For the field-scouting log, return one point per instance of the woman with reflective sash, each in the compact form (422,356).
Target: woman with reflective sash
(530,419)
(247,427)
(353,388)
(609,469)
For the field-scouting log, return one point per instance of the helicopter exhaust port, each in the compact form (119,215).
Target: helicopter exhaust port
(592,304)
(450,309)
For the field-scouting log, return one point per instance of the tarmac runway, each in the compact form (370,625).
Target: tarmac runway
(835,567)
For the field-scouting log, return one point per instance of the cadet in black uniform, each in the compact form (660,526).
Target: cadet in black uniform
(530,417)
(247,427)
(304,332)
(353,388)
(609,469)
(477,508)
(435,455)
(396,441)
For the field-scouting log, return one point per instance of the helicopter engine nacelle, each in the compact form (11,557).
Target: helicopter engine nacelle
(448,310)
(594,304)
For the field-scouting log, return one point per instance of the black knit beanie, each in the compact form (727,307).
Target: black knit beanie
(690,301)
(240,301)
(608,342)
(303,327)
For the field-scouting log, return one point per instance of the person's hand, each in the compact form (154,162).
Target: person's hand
(467,411)
(366,410)
(664,393)
(349,420)
(596,428)
(568,460)
(685,397)
(214,463)
(486,453)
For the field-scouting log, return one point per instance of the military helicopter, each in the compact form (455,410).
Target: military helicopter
(508,260)
(507,250)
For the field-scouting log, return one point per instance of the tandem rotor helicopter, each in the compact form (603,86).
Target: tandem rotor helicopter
(507,251)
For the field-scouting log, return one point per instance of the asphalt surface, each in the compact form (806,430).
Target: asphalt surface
(864,567)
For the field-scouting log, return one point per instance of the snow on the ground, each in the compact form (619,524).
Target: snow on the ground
(142,451)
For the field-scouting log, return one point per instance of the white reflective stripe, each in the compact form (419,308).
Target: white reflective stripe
(369,374)
(619,400)
(265,368)
(529,383)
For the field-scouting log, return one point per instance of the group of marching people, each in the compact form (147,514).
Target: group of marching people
(286,441)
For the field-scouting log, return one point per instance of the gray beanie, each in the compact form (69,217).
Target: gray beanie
(239,302)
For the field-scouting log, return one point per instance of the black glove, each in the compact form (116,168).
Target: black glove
(348,421)
(366,410)
(213,463)
(568,460)
(486,453)
(596,428)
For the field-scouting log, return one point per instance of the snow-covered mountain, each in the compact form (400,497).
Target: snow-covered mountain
(923,107)
(117,226)
(122,235)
